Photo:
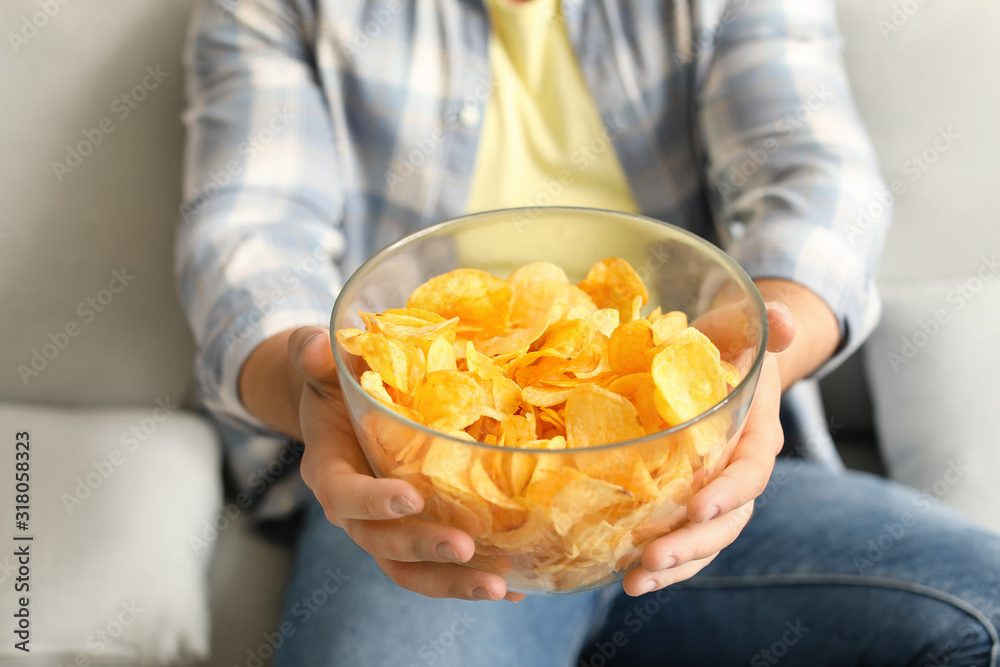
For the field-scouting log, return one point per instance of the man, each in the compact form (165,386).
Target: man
(320,131)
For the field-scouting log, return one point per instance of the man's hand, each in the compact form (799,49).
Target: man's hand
(719,512)
(419,555)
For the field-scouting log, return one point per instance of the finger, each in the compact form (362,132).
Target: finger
(445,580)
(753,457)
(780,326)
(696,541)
(311,354)
(639,580)
(347,491)
(411,540)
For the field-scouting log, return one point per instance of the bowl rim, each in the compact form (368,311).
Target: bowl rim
(469,219)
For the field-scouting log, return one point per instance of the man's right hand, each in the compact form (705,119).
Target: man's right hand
(376,513)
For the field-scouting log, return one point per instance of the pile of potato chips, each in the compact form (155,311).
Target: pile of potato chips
(547,371)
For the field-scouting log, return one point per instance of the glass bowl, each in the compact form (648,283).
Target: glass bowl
(583,540)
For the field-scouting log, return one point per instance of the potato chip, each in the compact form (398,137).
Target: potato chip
(692,335)
(448,400)
(421,330)
(525,276)
(447,464)
(580,497)
(688,382)
(400,364)
(487,489)
(628,346)
(667,325)
(371,382)
(613,283)
(479,300)
(538,299)
(441,356)
(596,416)
(544,396)
(640,389)
(605,320)
(730,373)
(503,395)
(547,482)
(350,340)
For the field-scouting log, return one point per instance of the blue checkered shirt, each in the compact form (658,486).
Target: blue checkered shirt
(321,130)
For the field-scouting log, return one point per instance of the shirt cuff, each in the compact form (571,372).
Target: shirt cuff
(219,381)
(820,260)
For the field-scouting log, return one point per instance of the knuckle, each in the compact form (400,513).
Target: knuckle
(360,536)
(416,550)
(368,506)
(331,514)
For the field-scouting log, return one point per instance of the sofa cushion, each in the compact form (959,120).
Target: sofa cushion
(119,500)
(934,367)
(90,316)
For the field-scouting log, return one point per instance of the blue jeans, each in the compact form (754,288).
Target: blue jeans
(833,569)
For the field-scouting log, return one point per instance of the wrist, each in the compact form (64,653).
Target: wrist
(270,387)
(816,330)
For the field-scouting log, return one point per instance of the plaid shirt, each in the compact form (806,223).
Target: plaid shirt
(322,130)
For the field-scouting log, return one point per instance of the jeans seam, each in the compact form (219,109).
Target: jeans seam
(854,580)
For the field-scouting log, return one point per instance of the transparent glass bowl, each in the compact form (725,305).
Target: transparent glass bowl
(681,271)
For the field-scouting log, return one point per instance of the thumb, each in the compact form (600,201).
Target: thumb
(311,354)
(780,325)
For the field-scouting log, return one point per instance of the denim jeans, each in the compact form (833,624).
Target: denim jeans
(833,569)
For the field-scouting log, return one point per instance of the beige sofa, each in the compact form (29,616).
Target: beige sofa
(89,320)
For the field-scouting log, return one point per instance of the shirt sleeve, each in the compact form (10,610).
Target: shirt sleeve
(794,182)
(258,236)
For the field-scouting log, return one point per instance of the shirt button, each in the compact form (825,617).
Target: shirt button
(470,115)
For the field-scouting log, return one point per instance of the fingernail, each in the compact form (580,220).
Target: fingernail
(483,594)
(669,562)
(711,515)
(402,505)
(647,587)
(448,552)
(311,338)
